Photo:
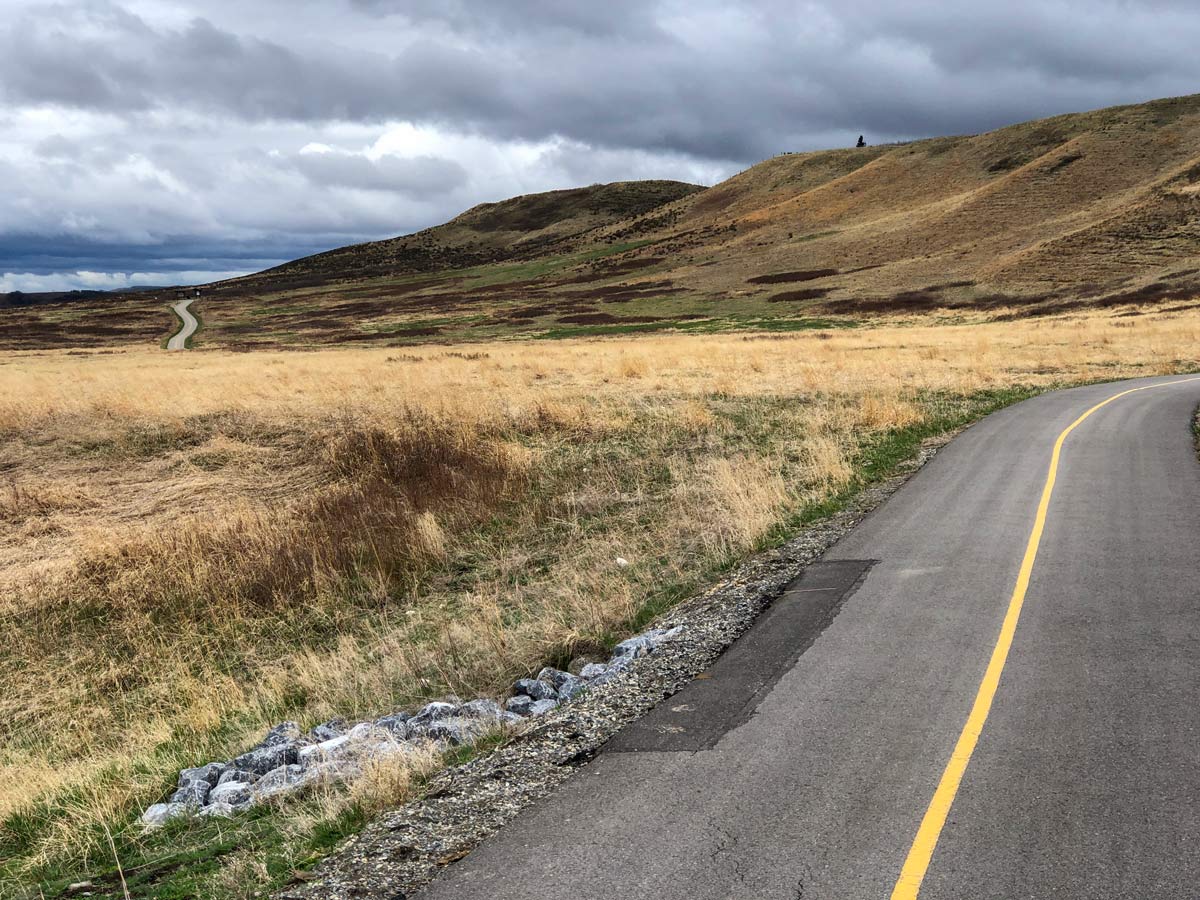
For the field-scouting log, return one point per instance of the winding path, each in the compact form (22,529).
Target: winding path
(988,690)
(178,341)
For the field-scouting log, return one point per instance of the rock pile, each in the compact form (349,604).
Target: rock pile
(287,761)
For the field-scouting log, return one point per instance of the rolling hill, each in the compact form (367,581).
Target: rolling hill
(1095,208)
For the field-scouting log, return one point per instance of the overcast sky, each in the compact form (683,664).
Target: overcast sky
(168,141)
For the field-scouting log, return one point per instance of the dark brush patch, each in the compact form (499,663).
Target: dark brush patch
(714,200)
(1000,300)
(624,288)
(420,331)
(602,318)
(789,277)
(355,337)
(1005,164)
(508,287)
(631,265)
(624,296)
(1152,293)
(1061,163)
(343,312)
(548,309)
(1147,295)
(602,271)
(797,296)
(926,300)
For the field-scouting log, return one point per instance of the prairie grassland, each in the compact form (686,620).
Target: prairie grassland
(195,546)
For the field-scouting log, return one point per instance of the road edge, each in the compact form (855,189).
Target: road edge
(405,849)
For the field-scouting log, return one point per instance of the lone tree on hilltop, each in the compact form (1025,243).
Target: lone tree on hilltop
(861,142)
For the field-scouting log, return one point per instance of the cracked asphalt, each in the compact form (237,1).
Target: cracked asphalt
(1086,780)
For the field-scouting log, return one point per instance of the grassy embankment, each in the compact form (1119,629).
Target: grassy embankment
(197,546)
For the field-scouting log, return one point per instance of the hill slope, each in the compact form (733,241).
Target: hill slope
(1096,208)
(487,233)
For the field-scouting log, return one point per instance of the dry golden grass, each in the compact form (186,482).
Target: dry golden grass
(197,545)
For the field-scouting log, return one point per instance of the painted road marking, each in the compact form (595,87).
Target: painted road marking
(923,845)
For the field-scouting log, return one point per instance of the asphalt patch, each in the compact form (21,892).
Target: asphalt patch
(727,694)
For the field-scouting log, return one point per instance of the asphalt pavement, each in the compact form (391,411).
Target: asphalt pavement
(802,766)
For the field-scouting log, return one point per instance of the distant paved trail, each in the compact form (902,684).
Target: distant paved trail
(891,727)
(178,341)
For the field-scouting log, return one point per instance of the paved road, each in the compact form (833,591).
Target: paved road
(178,341)
(1085,782)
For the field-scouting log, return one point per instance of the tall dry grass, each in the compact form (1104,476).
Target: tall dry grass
(194,546)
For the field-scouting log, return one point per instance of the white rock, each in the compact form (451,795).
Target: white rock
(396,724)
(432,712)
(536,688)
(278,781)
(571,688)
(324,750)
(645,643)
(160,814)
(520,705)
(232,793)
(236,775)
(217,810)
(593,670)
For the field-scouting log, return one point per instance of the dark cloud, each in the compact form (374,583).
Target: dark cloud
(187,117)
(705,79)
(40,254)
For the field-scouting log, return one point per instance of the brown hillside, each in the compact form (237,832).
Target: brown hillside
(487,233)
(1097,208)
(1085,205)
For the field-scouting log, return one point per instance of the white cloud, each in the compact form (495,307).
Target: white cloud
(105,281)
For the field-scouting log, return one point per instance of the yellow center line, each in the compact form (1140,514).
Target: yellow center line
(921,852)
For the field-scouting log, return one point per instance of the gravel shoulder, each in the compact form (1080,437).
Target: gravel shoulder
(405,849)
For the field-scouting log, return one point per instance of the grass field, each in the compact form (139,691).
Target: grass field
(198,545)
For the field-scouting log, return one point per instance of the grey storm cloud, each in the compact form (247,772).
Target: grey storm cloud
(703,78)
(126,122)
(419,176)
(625,18)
